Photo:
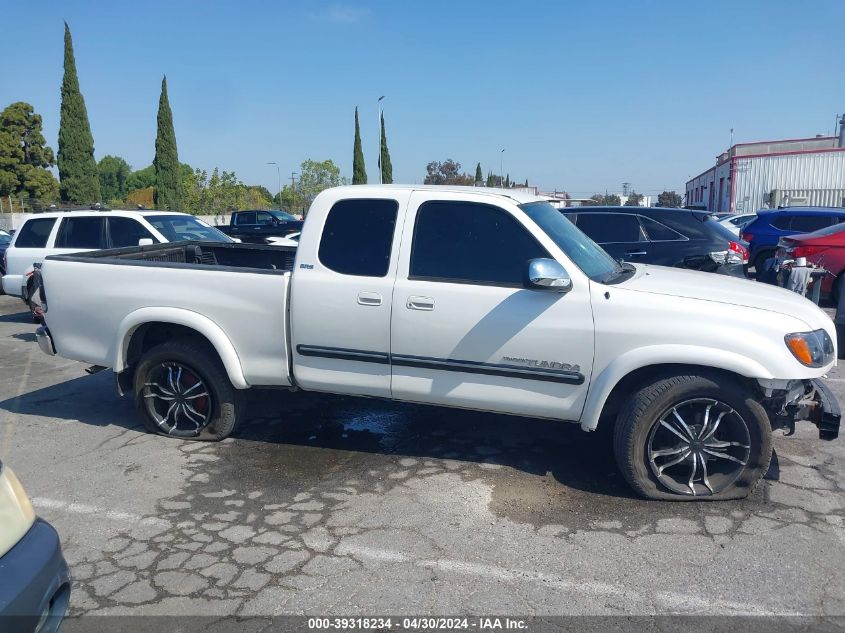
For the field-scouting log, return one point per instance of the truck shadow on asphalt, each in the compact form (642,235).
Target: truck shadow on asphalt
(534,466)
(18,317)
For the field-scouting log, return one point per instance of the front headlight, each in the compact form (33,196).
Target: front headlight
(813,349)
(16,513)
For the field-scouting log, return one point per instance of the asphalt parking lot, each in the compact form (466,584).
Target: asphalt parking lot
(332,505)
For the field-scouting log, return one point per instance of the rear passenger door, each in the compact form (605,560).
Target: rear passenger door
(618,233)
(341,299)
(81,233)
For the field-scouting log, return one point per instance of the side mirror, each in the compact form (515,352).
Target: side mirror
(547,274)
(145,241)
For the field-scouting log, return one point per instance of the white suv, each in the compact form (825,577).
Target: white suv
(70,232)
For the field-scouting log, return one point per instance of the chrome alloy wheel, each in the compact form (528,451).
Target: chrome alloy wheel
(177,399)
(698,447)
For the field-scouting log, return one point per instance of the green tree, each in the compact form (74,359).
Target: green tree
(113,172)
(526,183)
(168,192)
(607,200)
(508,180)
(142,178)
(478,176)
(446,173)
(384,158)
(669,199)
(359,171)
(634,199)
(24,155)
(77,168)
(489,182)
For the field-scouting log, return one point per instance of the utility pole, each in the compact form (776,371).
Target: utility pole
(502,168)
(378,162)
(293,176)
(279,174)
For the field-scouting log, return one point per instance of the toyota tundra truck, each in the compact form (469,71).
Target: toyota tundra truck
(459,297)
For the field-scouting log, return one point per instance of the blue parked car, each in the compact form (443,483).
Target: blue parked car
(772,224)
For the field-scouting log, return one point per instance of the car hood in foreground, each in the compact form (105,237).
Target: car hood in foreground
(693,284)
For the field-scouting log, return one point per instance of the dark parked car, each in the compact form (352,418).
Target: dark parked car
(260,227)
(668,237)
(771,225)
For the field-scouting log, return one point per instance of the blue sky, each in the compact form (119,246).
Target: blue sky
(582,96)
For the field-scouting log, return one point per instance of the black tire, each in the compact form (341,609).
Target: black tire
(221,409)
(760,260)
(642,417)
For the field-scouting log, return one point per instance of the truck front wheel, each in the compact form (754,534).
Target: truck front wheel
(693,437)
(182,390)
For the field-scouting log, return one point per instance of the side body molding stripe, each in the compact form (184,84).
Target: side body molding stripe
(444,364)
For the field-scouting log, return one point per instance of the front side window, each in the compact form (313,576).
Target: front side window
(610,228)
(263,217)
(127,232)
(358,237)
(464,242)
(34,233)
(84,232)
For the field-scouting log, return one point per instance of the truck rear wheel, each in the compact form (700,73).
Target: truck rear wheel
(693,437)
(182,390)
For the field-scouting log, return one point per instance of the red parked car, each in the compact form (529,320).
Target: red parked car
(824,248)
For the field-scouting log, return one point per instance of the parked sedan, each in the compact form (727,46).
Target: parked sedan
(669,237)
(824,248)
(735,222)
(34,577)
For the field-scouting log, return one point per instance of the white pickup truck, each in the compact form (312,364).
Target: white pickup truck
(460,297)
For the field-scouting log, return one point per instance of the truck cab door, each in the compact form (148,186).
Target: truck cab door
(341,292)
(467,332)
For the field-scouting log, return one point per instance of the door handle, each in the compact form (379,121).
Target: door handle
(369,299)
(635,253)
(420,303)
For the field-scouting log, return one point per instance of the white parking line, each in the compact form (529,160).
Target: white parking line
(104,513)
(669,602)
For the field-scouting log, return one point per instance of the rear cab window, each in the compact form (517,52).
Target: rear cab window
(246,217)
(358,237)
(34,233)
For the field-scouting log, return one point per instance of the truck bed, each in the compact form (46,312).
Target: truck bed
(234,294)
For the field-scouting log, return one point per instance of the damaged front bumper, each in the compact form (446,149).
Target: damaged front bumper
(790,401)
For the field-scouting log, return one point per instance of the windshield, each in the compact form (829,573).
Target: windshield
(185,227)
(587,255)
(282,216)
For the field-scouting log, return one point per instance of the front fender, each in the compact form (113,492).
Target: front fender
(187,318)
(604,382)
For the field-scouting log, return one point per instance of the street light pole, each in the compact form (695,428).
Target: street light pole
(502,168)
(378,161)
(279,174)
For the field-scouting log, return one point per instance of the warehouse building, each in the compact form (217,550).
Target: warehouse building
(793,172)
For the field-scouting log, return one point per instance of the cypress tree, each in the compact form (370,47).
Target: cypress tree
(384,158)
(77,167)
(359,172)
(478,176)
(168,191)
(489,182)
